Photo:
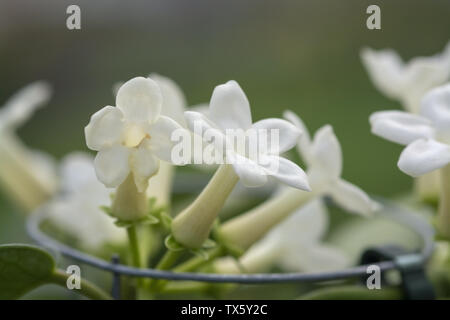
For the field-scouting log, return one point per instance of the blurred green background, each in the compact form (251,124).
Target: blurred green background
(301,55)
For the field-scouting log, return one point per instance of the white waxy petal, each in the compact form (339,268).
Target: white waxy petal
(198,123)
(285,171)
(400,127)
(326,152)
(436,106)
(306,225)
(352,198)
(143,165)
(77,170)
(112,165)
(314,258)
(304,142)
(385,69)
(174,101)
(140,100)
(160,141)
(423,156)
(283,132)
(229,107)
(250,173)
(22,104)
(105,128)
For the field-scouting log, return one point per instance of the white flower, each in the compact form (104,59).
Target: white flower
(28,176)
(294,245)
(229,109)
(76,209)
(323,157)
(406,82)
(427,135)
(131,137)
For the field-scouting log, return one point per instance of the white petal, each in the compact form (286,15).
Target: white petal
(308,224)
(174,101)
(352,198)
(326,152)
(285,171)
(22,104)
(287,134)
(436,106)
(104,129)
(314,258)
(140,100)
(77,169)
(160,137)
(250,173)
(229,107)
(144,165)
(423,156)
(198,123)
(385,69)
(304,142)
(400,127)
(202,108)
(112,165)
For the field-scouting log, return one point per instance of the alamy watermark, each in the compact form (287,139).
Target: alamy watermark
(212,146)
(373,281)
(74,280)
(73,21)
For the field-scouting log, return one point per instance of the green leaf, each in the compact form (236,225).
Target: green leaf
(172,244)
(201,253)
(149,220)
(123,223)
(107,210)
(209,244)
(23,268)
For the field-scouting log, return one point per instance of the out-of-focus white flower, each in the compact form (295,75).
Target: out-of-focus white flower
(294,245)
(323,157)
(427,136)
(229,109)
(76,211)
(28,176)
(131,137)
(427,140)
(406,82)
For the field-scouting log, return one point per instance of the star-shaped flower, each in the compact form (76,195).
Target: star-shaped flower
(406,82)
(131,137)
(323,157)
(427,135)
(229,110)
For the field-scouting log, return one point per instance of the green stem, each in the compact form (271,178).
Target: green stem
(166,262)
(168,259)
(192,264)
(87,288)
(197,262)
(134,247)
(135,253)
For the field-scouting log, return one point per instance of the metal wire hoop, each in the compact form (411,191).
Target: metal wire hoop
(397,213)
